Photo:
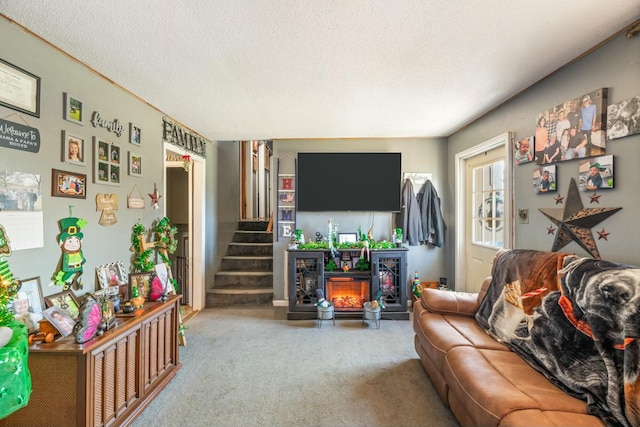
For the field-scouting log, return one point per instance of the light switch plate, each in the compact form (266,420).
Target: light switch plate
(523,216)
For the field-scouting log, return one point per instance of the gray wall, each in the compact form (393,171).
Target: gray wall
(615,66)
(101,244)
(418,155)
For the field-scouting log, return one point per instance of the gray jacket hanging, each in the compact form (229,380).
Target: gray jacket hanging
(409,217)
(432,223)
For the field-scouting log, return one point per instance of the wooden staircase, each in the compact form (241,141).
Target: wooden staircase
(246,271)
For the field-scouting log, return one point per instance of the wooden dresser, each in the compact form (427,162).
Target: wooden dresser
(108,381)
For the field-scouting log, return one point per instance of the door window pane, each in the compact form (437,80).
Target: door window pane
(487,211)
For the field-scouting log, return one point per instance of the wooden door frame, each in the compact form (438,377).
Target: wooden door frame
(505,140)
(197,189)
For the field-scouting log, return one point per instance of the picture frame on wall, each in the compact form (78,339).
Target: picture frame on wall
(596,173)
(107,169)
(135,134)
(73,149)
(73,109)
(135,164)
(68,184)
(19,89)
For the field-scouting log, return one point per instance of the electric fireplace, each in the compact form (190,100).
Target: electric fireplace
(348,293)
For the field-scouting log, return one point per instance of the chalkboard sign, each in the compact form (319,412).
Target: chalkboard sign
(20,137)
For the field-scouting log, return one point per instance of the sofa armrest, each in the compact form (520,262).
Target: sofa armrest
(450,302)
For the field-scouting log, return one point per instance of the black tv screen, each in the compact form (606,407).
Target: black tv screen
(349,182)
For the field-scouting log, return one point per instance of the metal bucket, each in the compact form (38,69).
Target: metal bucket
(371,313)
(325,313)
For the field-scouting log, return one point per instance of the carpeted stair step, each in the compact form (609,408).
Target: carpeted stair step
(247,263)
(241,236)
(250,249)
(244,279)
(230,297)
(251,225)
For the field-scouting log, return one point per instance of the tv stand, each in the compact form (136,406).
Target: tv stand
(387,273)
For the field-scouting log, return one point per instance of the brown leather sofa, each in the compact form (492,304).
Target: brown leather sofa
(482,381)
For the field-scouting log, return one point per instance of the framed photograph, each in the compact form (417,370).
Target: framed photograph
(164,274)
(523,150)
(111,274)
(73,149)
(73,111)
(135,134)
(68,184)
(106,162)
(60,320)
(19,89)
(135,164)
(576,128)
(142,281)
(123,293)
(347,237)
(622,118)
(28,305)
(596,173)
(65,301)
(545,179)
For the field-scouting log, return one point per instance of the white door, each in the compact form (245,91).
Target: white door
(484,211)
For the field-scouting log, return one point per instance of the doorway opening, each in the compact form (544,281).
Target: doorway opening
(184,188)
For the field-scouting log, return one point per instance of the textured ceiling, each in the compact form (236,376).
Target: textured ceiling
(261,69)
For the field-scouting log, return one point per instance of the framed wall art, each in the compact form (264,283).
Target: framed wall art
(596,173)
(135,164)
(73,111)
(65,301)
(19,89)
(68,184)
(73,149)
(111,274)
(106,162)
(135,134)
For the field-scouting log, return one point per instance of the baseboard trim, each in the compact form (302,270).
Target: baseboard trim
(280,303)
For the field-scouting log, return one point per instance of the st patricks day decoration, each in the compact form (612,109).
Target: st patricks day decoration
(15,379)
(70,240)
(108,204)
(8,285)
(575,222)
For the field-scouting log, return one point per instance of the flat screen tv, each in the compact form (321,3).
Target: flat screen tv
(349,182)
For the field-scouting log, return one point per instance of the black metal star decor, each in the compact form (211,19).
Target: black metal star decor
(575,222)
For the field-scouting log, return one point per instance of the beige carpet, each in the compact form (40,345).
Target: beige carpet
(242,367)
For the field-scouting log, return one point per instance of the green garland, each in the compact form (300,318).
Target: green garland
(164,234)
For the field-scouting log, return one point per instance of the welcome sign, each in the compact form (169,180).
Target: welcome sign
(19,137)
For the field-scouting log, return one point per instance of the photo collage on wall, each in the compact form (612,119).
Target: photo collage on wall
(577,129)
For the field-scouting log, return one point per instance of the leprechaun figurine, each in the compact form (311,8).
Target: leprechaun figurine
(70,241)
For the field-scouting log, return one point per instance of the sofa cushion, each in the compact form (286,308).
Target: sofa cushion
(438,333)
(491,384)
